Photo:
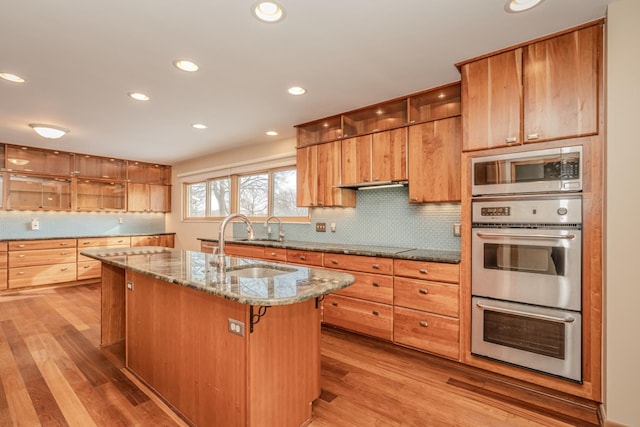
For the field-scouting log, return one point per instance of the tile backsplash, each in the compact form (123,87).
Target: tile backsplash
(17,224)
(382,217)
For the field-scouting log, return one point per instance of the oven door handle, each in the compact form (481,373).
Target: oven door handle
(568,319)
(526,236)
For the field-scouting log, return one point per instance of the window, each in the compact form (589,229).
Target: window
(257,195)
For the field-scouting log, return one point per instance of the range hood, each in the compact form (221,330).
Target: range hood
(374,185)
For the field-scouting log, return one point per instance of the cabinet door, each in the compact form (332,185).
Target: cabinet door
(329,175)
(434,161)
(159,198)
(137,197)
(492,93)
(356,160)
(307,176)
(561,87)
(389,155)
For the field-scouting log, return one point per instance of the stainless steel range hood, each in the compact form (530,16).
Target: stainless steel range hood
(374,185)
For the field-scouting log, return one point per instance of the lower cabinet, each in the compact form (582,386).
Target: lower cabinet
(3,265)
(41,262)
(166,240)
(365,317)
(89,268)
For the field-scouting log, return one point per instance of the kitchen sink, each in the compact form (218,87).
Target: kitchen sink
(258,272)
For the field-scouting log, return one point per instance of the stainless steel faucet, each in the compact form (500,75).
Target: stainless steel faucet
(250,231)
(280,231)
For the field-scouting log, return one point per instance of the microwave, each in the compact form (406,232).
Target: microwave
(540,171)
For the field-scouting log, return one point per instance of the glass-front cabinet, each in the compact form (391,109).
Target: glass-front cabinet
(100,167)
(39,193)
(40,161)
(95,195)
(148,173)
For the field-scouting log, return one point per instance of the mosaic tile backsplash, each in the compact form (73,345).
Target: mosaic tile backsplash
(17,224)
(382,217)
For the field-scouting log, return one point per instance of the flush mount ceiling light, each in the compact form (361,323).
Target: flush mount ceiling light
(198,126)
(139,96)
(515,6)
(272,133)
(12,77)
(297,90)
(268,11)
(186,65)
(49,131)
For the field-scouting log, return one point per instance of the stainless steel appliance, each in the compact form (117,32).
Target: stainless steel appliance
(540,171)
(526,282)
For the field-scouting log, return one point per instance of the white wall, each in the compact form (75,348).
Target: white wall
(622,262)
(187,233)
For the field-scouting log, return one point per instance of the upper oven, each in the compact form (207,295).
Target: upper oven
(539,171)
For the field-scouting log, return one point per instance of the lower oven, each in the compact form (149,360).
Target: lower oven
(526,282)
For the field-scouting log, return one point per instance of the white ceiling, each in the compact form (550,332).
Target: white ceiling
(81,58)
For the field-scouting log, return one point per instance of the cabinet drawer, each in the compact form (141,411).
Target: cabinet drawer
(430,332)
(438,271)
(208,247)
(41,257)
(304,257)
(244,251)
(82,258)
(41,275)
(26,245)
(275,254)
(89,269)
(104,241)
(365,264)
(3,246)
(365,317)
(370,287)
(3,279)
(440,298)
(3,260)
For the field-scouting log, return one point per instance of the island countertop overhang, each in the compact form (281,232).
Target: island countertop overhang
(194,270)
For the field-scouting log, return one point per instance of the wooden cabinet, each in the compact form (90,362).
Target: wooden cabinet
(381,156)
(366,306)
(539,92)
(243,251)
(318,172)
(89,268)
(41,262)
(296,256)
(148,197)
(434,161)
(148,173)
(317,132)
(3,265)
(166,240)
(274,254)
(100,167)
(426,312)
(39,193)
(39,161)
(94,195)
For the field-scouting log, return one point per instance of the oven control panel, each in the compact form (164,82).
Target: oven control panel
(548,210)
(496,211)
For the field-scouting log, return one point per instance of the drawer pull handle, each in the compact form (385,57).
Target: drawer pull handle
(20,273)
(64,253)
(423,271)
(423,291)
(511,139)
(86,243)
(335,304)
(21,256)
(64,269)
(64,243)
(375,312)
(86,266)
(273,254)
(533,136)
(414,199)
(376,284)
(21,245)
(423,323)
(375,266)
(334,261)
(303,258)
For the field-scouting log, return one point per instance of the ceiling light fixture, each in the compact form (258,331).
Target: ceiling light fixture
(139,96)
(186,65)
(48,131)
(268,11)
(12,77)
(272,133)
(515,6)
(198,126)
(297,90)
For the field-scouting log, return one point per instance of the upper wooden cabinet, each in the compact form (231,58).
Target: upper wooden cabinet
(148,197)
(320,131)
(318,174)
(39,193)
(434,161)
(41,161)
(149,173)
(381,156)
(539,92)
(100,167)
(95,195)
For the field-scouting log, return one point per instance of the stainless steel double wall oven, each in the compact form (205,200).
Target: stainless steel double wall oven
(526,260)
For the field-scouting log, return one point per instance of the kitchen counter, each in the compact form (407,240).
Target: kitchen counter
(431,255)
(194,270)
(18,239)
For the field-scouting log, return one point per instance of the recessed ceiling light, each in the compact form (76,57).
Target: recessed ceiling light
(268,11)
(297,90)
(199,126)
(48,131)
(139,96)
(515,6)
(186,65)
(272,133)
(441,95)
(12,77)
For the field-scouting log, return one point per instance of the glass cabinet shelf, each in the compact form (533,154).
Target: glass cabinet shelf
(35,160)
(100,167)
(435,104)
(148,173)
(35,193)
(380,117)
(324,130)
(100,195)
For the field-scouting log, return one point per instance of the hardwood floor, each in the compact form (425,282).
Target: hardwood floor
(53,373)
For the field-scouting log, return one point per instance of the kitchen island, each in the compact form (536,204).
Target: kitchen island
(239,347)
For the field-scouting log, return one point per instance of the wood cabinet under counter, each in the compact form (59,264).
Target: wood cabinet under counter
(41,262)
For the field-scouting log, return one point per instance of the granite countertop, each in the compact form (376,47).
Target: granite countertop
(16,239)
(193,270)
(432,255)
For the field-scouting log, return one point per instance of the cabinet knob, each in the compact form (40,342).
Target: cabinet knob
(273,254)
(334,261)
(64,269)
(423,271)
(335,304)
(423,291)
(376,284)
(86,266)
(302,257)
(21,256)
(423,323)
(375,266)
(533,136)
(511,139)
(375,312)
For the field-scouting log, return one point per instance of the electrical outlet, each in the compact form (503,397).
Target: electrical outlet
(35,224)
(333,227)
(236,327)
(120,220)
(321,227)
(456,230)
